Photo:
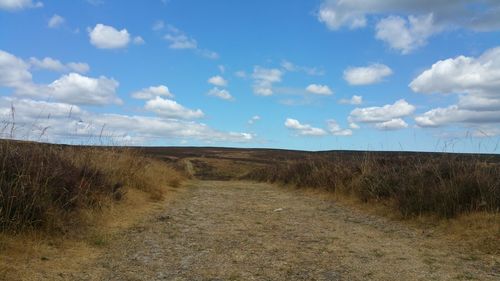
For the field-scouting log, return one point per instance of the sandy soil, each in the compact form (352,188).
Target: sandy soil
(247,231)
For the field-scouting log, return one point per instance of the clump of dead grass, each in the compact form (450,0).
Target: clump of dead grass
(445,185)
(45,187)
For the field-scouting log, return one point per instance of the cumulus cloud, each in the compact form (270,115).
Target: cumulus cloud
(55,21)
(79,89)
(72,88)
(367,75)
(220,93)
(152,92)
(107,37)
(303,129)
(462,75)
(354,100)
(79,67)
(336,130)
(15,5)
(68,123)
(264,78)
(52,64)
(407,24)
(400,108)
(385,116)
(476,81)
(393,124)
(171,109)
(217,81)
(336,14)
(353,125)
(454,114)
(14,72)
(319,89)
(406,35)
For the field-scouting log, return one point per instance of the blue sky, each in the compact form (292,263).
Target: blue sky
(313,75)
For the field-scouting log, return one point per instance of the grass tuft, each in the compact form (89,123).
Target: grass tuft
(45,187)
(440,184)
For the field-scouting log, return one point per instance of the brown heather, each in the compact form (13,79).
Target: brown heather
(46,187)
(416,184)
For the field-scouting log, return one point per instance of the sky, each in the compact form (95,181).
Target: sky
(296,74)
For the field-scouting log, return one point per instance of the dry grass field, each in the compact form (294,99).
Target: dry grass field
(180,213)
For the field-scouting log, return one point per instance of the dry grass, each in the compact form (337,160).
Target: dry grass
(442,185)
(46,187)
(61,205)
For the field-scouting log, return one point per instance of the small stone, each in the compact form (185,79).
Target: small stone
(163,217)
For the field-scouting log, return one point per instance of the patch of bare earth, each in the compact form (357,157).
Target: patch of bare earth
(247,231)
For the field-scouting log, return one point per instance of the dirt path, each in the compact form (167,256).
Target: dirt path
(247,231)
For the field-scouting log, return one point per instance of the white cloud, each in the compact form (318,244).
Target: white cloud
(107,37)
(72,88)
(264,78)
(77,89)
(56,21)
(48,63)
(220,93)
(462,75)
(472,14)
(303,129)
(454,114)
(336,130)
(335,18)
(14,72)
(79,67)
(353,125)
(400,108)
(384,116)
(158,25)
(319,89)
(217,81)
(70,124)
(171,109)
(65,121)
(406,35)
(393,124)
(289,66)
(15,5)
(367,75)
(254,119)
(407,24)
(152,92)
(139,41)
(207,54)
(476,81)
(354,100)
(181,41)
(52,64)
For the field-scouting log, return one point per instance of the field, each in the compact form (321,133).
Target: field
(441,184)
(129,213)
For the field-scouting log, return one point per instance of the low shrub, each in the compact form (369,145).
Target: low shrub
(45,186)
(441,184)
